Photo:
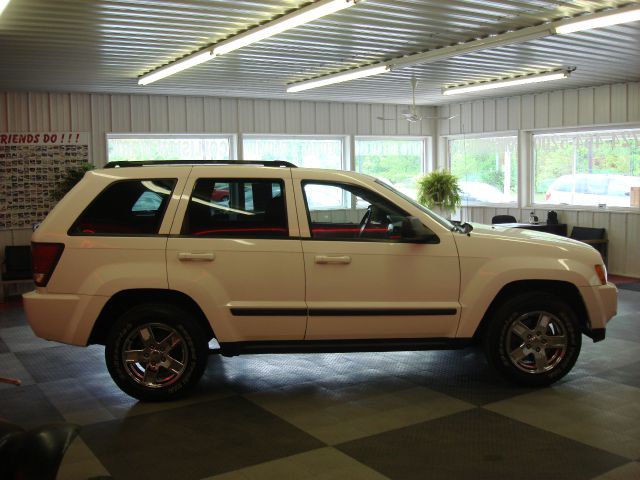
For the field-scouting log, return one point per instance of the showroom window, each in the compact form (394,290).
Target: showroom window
(487,168)
(587,168)
(397,161)
(137,147)
(237,208)
(303,151)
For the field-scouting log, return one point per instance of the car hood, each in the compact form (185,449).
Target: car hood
(495,241)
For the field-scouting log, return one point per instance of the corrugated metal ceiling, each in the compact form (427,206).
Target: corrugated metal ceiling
(104,45)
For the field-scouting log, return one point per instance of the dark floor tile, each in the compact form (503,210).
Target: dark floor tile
(3,347)
(194,441)
(63,361)
(481,445)
(27,406)
(12,315)
(465,374)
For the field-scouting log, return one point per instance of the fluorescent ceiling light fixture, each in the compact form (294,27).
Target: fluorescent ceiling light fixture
(286,22)
(512,82)
(299,17)
(177,66)
(3,5)
(338,78)
(600,19)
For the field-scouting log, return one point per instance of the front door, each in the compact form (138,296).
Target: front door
(363,280)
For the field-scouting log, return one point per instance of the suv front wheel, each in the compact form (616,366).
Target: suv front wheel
(156,352)
(533,339)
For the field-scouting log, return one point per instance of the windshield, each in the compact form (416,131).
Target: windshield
(441,220)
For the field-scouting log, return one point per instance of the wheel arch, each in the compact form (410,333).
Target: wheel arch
(124,300)
(565,290)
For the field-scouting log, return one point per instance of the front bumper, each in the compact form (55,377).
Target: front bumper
(601,303)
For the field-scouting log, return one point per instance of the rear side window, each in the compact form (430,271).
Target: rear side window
(127,207)
(237,208)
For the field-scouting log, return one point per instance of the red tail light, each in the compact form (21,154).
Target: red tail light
(45,258)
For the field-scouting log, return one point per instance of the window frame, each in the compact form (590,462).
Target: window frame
(520,165)
(529,148)
(231,139)
(345,151)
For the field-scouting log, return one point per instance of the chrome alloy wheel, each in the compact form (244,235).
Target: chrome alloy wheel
(154,355)
(536,342)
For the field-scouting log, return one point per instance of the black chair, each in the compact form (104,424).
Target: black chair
(596,237)
(503,219)
(16,267)
(33,454)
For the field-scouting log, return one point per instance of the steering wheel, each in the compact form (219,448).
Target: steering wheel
(366,219)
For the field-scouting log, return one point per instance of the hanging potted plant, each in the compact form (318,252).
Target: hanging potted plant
(72,176)
(440,191)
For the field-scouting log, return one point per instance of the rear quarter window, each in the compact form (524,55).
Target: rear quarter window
(126,207)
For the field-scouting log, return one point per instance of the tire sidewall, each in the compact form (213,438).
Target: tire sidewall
(194,343)
(495,340)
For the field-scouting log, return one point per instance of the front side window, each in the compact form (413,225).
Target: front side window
(486,167)
(132,147)
(237,208)
(126,207)
(363,215)
(309,152)
(398,162)
(590,168)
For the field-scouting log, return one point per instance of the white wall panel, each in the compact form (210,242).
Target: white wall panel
(159,113)
(617,104)
(602,104)
(140,114)
(60,112)
(541,105)
(177,114)
(322,118)
(261,116)
(212,115)
(585,106)
(120,113)
(555,109)
(39,112)
(100,125)
(195,115)
(308,118)
(276,116)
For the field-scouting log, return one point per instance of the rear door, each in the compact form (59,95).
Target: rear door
(237,253)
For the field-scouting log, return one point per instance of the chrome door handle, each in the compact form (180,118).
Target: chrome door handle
(196,257)
(322,259)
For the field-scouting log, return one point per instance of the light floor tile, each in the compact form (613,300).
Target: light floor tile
(335,418)
(591,410)
(79,463)
(321,464)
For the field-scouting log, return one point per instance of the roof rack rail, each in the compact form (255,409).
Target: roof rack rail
(142,163)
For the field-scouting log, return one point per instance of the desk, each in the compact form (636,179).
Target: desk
(557,229)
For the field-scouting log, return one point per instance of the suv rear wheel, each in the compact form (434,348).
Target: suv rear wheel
(156,352)
(534,339)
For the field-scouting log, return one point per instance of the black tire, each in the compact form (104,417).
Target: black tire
(167,352)
(533,339)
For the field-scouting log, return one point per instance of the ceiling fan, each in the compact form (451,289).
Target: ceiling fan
(412,115)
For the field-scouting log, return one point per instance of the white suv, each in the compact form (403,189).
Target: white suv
(153,262)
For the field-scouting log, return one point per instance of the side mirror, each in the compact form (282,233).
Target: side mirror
(413,231)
